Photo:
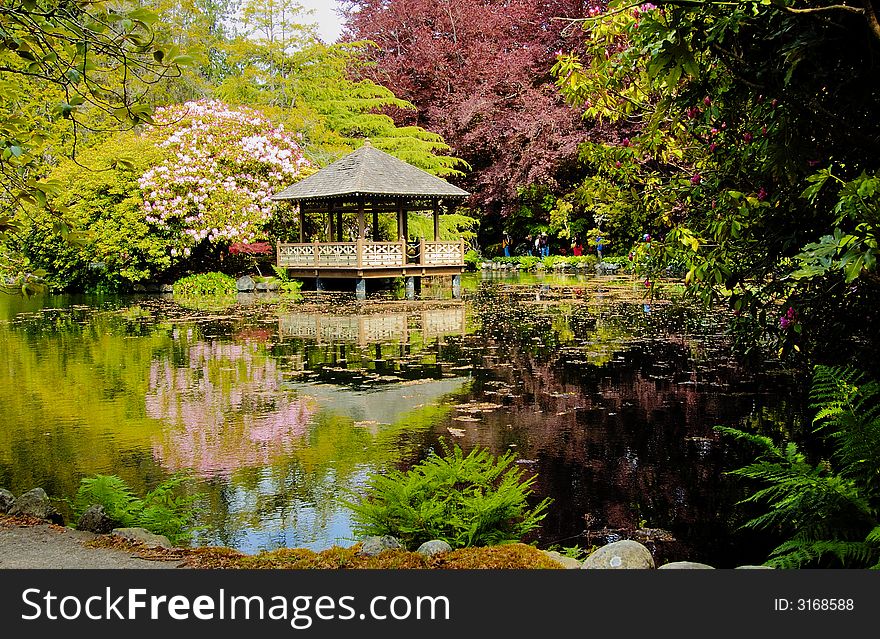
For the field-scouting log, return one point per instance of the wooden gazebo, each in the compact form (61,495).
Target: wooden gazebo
(369,182)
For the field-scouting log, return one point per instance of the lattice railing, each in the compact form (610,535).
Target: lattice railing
(296,255)
(443,254)
(382,254)
(340,255)
(368,255)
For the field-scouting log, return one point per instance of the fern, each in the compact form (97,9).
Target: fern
(162,510)
(830,509)
(466,500)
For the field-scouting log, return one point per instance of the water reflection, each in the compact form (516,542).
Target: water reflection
(224,410)
(282,411)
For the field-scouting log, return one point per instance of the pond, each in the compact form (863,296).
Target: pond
(281,410)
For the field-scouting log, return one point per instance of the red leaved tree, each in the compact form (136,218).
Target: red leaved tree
(478,71)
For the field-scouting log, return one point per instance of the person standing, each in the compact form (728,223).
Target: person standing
(530,244)
(599,247)
(505,244)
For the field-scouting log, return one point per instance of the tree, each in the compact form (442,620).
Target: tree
(753,157)
(94,61)
(478,73)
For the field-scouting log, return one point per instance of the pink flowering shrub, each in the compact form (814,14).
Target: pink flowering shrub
(222,166)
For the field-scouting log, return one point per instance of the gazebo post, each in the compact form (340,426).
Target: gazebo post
(302,222)
(436,220)
(375,222)
(401,236)
(332,221)
(360,218)
(339,235)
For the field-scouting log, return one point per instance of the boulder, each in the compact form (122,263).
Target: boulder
(96,520)
(261,287)
(245,284)
(166,288)
(434,547)
(605,268)
(373,545)
(559,558)
(749,567)
(143,536)
(620,555)
(6,500)
(273,285)
(686,565)
(35,503)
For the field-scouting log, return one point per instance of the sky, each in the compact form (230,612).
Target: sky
(329,23)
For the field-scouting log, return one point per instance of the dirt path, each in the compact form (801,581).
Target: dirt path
(47,546)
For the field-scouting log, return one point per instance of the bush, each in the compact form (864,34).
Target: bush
(161,511)
(831,509)
(205,285)
(466,500)
(471,260)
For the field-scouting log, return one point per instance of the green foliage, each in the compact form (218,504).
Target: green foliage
(828,510)
(709,101)
(466,500)
(285,284)
(162,510)
(205,285)
(550,262)
(335,112)
(453,227)
(472,259)
(101,239)
(68,70)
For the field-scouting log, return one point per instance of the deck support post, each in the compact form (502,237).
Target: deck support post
(319,284)
(360,289)
(410,288)
(456,287)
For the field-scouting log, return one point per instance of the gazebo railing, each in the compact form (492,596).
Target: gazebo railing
(364,255)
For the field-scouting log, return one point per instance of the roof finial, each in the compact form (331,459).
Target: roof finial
(367,142)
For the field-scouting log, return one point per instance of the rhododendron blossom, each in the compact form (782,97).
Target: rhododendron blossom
(223,164)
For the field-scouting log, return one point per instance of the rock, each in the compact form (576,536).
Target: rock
(143,536)
(373,545)
(273,285)
(559,558)
(686,565)
(166,288)
(245,284)
(605,268)
(261,287)
(35,503)
(96,520)
(749,567)
(434,547)
(620,555)
(6,500)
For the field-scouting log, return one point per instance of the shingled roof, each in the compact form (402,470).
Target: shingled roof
(369,171)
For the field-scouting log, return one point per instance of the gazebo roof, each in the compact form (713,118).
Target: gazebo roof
(369,171)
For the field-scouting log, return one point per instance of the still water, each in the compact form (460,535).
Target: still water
(281,410)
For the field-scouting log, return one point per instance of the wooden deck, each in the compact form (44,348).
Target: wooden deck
(365,259)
